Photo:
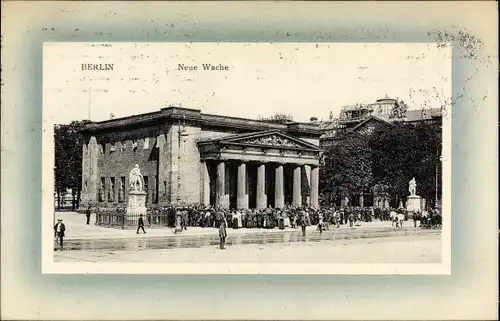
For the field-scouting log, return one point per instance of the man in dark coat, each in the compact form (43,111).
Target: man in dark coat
(59,233)
(140,225)
(222,233)
(303,223)
(185,219)
(87,213)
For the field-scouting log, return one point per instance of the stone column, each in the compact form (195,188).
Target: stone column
(314,186)
(279,189)
(307,170)
(205,188)
(242,197)
(220,191)
(297,186)
(93,178)
(361,200)
(261,200)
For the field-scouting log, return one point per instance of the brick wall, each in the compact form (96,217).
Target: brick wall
(119,162)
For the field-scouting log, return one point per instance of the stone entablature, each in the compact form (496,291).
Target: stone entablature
(194,117)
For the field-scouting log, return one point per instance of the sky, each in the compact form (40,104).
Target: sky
(302,80)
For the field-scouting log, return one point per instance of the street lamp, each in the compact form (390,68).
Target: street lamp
(437,178)
(181,131)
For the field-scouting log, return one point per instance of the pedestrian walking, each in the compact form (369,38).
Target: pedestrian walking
(303,224)
(416,217)
(87,213)
(59,233)
(140,224)
(96,215)
(320,223)
(222,233)
(185,218)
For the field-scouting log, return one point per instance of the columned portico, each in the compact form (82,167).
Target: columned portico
(260,169)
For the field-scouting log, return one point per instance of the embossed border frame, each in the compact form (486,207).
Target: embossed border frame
(468,293)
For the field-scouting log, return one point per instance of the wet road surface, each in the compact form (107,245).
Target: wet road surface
(197,241)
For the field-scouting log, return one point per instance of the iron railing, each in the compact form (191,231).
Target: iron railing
(131,220)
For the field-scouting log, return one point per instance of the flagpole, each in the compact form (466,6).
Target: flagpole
(90,98)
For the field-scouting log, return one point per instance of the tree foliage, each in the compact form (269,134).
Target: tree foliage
(384,161)
(347,167)
(68,158)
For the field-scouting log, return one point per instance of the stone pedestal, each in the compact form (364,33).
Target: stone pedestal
(136,205)
(414,203)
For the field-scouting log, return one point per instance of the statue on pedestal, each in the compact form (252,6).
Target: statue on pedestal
(136,197)
(136,180)
(413,187)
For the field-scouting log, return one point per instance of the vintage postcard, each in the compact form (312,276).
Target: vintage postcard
(246,158)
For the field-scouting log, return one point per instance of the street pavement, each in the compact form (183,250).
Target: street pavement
(410,248)
(374,242)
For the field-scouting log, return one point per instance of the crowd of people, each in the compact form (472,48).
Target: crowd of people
(270,218)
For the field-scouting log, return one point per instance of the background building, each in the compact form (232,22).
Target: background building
(365,117)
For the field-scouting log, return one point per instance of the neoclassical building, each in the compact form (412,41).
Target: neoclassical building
(190,157)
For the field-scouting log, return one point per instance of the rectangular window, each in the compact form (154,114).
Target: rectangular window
(146,188)
(146,143)
(102,189)
(111,196)
(155,190)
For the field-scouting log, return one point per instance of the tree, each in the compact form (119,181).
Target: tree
(404,151)
(68,160)
(346,167)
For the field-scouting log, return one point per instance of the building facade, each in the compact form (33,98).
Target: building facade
(190,157)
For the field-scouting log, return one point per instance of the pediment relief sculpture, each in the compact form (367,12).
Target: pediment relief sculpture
(273,140)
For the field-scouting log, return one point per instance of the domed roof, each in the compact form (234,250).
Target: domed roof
(386,100)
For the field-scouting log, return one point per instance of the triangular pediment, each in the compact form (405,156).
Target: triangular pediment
(271,139)
(370,123)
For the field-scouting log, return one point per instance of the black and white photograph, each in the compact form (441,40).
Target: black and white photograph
(280,158)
